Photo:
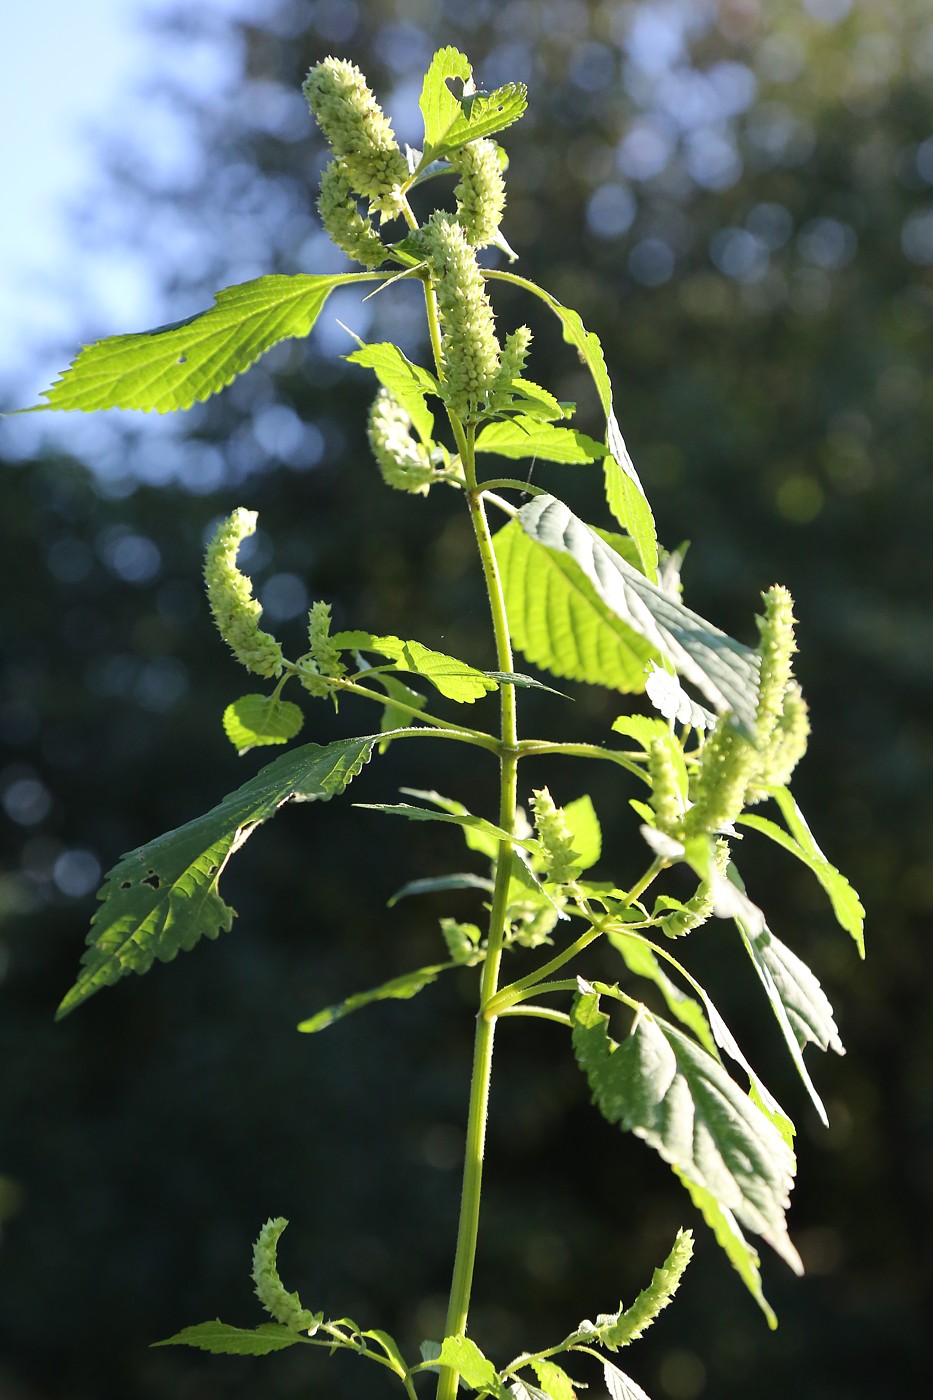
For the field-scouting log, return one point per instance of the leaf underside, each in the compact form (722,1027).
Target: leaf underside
(162,898)
(722,669)
(666,1089)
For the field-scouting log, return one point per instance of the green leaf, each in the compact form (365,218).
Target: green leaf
(666,1089)
(439,108)
(624,492)
(221,1339)
(619,1385)
(537,402)
(640,959)
(553,1380)
(391,1348)
(454,679)
(185,362)
(464,1356)
(724,670)
(475,826)
(847,906)
(526,437)
(163,897)
(522,681)
(407,383)
(741,1255)
(583,824)
(439,883)
(261,719)
(559,621)
(614,1330)
(644,729)
(401,988)
(802,1008)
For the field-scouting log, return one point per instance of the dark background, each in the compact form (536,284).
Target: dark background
(738,198)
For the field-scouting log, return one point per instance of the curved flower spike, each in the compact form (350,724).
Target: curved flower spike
(230,594)
(357,132)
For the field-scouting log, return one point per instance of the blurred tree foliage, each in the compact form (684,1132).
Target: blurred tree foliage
(738,197)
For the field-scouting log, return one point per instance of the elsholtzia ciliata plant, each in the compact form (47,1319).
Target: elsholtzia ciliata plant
(724,727)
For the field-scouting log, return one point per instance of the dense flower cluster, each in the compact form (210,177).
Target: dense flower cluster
(343,221)
(230,594)
(357,131)
(285,1307)
(470,348)
(403,462)
(555,836)
(480,191)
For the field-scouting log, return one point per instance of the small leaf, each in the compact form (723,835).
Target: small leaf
(439,883)
(474,825)
(221,1339)
(529,682)
(724,670)
(640,959)
(559,621)
(483,114)
(553,1380)
(621,1386)
(664,1088)
(846,904)
(401,988)
(261,719)
(163,897)
(525,437)
(183,363)
(439,108)
(583,825)
(626,499)
(407,383)
(464,1356)
(536,402)
(454,679)
(389,1345)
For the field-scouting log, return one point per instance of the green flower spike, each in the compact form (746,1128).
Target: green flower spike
(285,1307)
(230,594)
(470,348)
(358,133)
(323,660)
(665,794)
(403,462)
(788,742)
(480,191)
(776,649)
(343,221)
(555,837)
(512,362)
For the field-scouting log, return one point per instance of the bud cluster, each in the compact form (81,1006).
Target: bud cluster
(358,133)
(556,838)
(480,191)
(470,350)
(285,1307)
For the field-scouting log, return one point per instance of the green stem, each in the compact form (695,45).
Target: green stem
(457,731)
(542,1013)
(462,1281)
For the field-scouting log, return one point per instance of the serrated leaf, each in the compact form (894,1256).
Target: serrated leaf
(524,1390)
(666,1089)
(454,679)
(526,437)
(553,1379)
(406,382)
(847,906)
(483,114)
(619,1385)
(176,365)
(724,670)
(670,699)
(558,620)
(439,108)
(537,402)
(624,492)
(163,897)
(401,988)
(222,1339)
(440,883)
(741,1255)
(801,1007)
(254,720)
(476,836)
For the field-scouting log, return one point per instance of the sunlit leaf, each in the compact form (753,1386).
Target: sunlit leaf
(741,1255)
(476,1370)
(401,988)
(254,720)
(176,365)
(724,670)
(454,679)
(559,621)
(221,1339)
(406,382)
(526,437)
(439,108)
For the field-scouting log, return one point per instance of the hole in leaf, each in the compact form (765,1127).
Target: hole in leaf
(153,880)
